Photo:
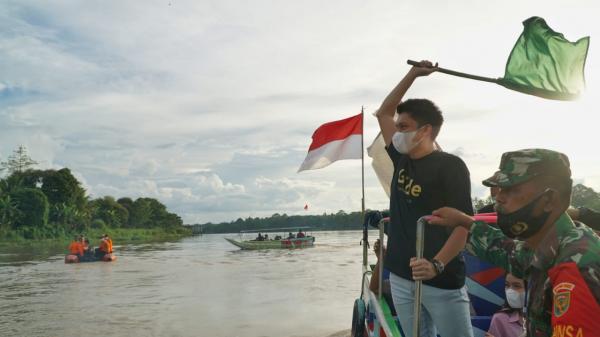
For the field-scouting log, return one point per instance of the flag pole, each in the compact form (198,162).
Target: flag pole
(362,155)
(459,74)
(362,160)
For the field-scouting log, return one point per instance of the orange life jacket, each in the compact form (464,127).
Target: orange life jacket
(109,241)
(76,248)
(104,246)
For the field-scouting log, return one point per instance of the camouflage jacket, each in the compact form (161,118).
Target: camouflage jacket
(563,276)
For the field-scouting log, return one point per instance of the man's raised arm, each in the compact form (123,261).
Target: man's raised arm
(385,114)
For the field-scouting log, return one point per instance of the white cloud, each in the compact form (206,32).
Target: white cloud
(213,183)
(209,106)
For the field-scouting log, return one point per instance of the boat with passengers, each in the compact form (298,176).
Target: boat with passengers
(282,238)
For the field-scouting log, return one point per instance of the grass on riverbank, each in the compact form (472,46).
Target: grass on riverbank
(16,250)
(119,236)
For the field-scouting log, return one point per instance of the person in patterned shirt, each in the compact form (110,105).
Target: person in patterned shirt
(537,240)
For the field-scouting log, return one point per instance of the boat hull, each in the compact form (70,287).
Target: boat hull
(70,258)
(274,244)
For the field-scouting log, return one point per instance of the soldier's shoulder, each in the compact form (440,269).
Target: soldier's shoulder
(580,245)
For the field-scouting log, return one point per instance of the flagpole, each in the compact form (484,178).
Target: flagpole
(362,155)
(459,74)
(362,160)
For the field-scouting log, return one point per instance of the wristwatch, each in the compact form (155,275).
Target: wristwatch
(438,265)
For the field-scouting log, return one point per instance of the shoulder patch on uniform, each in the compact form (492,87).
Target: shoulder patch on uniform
(562,298)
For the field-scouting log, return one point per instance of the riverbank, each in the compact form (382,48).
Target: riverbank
(117,234)
(18,248)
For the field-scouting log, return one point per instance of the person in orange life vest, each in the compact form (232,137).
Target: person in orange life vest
(76,247)
(110,243)
(103,247)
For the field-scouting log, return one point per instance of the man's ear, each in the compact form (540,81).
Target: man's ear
(428,131)
(553,200)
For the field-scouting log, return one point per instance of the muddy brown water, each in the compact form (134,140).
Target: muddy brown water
(199,286)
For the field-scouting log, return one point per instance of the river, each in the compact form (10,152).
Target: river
(199,286)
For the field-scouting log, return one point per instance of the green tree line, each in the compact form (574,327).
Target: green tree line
(46,204)
(334,221)
(583,196)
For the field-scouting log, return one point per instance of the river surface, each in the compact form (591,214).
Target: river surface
(199,286)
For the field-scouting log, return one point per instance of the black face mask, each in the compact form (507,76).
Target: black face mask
(520,224)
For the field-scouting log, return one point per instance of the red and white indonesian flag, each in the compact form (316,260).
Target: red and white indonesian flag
(335,141)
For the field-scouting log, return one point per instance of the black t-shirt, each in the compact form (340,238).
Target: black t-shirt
(420,186)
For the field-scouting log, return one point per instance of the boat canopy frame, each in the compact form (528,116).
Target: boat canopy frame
(268,230)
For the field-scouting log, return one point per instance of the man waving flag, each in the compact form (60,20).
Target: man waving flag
(335,141)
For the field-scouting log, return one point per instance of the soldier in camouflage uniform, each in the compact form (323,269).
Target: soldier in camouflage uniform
(536,240)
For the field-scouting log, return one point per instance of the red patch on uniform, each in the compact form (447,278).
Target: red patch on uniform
(562,298)
(575,310)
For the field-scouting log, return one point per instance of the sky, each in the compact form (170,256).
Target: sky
(209,106)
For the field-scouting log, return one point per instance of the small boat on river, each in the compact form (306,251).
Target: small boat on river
(300,240)
(274,244)
(71,258)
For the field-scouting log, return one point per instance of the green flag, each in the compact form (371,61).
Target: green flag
(543,63)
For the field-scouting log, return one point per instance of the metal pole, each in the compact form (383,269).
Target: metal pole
(380,271)
(420,241)
(362,159)
(362,155)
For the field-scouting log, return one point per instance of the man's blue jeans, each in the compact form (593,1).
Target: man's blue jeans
(445,309)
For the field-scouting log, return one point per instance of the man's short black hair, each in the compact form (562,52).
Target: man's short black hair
(424,112)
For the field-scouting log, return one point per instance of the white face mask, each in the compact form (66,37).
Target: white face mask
(404,141)
(515,299)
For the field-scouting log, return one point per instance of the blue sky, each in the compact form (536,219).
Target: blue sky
(209,105)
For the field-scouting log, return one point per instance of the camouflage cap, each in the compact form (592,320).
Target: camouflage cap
(517,167)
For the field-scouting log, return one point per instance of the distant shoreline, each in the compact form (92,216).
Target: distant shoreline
(119,235)
(310,231)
